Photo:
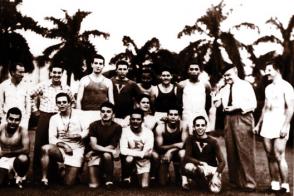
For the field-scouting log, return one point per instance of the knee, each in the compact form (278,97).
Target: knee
(278,156)
(129,159)
(182,154)
(107,156)
(155,156)
(23,158)
(190,167)
(45,149)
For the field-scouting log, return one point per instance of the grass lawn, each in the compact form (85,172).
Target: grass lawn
(262,177)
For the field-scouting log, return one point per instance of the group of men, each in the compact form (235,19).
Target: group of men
(121,124)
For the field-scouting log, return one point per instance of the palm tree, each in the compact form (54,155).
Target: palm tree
(13,46)
(74,46)
(287,42)
(210,25)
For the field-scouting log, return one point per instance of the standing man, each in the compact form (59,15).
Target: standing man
(238,100)
(124,91)
(14,148)
(195,94)
(136,145)
(94,89)
(46,93)
(169,141)
(164,95)
(66,134)
(104,138)
(275,125)
(14,92)
(204,160)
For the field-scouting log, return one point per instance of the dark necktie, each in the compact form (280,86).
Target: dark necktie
(202,144)
(230,96)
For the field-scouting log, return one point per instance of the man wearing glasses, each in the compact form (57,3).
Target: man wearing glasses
(66,134)
(204,161)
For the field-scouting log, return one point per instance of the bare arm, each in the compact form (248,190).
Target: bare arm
(80,94)
(99,148)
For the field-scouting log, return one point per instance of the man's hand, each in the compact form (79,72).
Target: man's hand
(67,150)
(230,108)
(284,131)
(256,129)
(148,153)
(115,154)
(167,156)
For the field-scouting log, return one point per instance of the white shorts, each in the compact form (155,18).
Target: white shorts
(7,163)
(272,124)
(74,160)
(94,161)
(143,165)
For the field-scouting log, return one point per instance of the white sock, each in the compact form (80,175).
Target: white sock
(286,186)
(184,180)
(275,185)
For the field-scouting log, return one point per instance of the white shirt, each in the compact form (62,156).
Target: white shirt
(129,142)
(15,96)
(243,96)
(72,125)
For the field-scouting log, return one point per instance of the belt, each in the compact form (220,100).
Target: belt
(237,112)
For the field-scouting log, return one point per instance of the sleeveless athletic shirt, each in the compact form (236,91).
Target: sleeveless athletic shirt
(95,93)
(164,101)
(171,137)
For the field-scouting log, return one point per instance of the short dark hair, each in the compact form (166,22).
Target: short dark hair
(14,110)
(62,94)
(55,65)
(12,67)
(195,63)
(98,56)
(121,62)
(141,96)
(108,105)
(199,118)
(137,111)
(173,108)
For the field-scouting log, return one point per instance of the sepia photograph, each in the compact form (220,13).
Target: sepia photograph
(146,97)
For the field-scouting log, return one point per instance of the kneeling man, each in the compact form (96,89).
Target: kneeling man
(204,161)
(14,148)
(66,134)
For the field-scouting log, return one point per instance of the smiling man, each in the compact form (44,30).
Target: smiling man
(274,123)
(46,93)
(204,161)
(66,134)
(136,145)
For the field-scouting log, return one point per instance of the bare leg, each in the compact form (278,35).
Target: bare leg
(279,150)
(272,163)
(93,177)
(144,180)
(70,175)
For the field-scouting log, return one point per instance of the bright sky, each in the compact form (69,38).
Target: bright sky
(144,19)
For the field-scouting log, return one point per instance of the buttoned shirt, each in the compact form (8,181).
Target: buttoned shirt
(12,95)
(47,92)
(243,96)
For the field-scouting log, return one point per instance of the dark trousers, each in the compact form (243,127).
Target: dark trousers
(240,147)
(41,138)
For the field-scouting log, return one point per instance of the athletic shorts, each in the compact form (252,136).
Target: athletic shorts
(7,163)
(74,160)
(143,165)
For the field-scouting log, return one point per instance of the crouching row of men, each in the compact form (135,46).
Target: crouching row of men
(195,155)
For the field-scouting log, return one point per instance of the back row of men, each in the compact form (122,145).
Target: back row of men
(68,127)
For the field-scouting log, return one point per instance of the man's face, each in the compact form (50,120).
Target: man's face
(122,71)
(98,65)
(56,74)
(199,127)
(173,116)
(136,121)
(194,71)
(228,76)
(106,114)
(166,77)
(146,78)
(62,103)
(13,121)
(144,104)
(270,72)
(18,74)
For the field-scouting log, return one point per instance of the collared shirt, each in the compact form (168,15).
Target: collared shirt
(60,126)
(243,96)
(47,92)
(12,95)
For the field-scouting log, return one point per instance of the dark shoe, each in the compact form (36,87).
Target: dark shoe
(109,185)
(186,187)
(44,184)
(126,183)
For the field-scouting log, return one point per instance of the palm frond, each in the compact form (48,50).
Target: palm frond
(51,49)
(268,38)
(86,34)
(247,25)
